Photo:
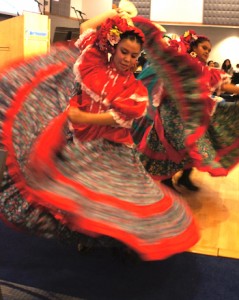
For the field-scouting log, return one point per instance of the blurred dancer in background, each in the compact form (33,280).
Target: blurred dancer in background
(188,133)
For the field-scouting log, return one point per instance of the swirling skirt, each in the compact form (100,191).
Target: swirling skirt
(183,133)
(164,151)
(93,189)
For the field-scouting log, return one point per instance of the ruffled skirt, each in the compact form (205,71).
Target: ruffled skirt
(164,151)
(183,133)
(97,190)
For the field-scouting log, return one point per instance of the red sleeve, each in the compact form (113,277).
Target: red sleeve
(86,39)
(130,104)
(215,77)
(90,57)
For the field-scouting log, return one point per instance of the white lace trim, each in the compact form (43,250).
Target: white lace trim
(119,120)
(106,102)
(86,33)
(134,97)
(225,78)
(89,92)
(79,62)
(80,58)
(217,98)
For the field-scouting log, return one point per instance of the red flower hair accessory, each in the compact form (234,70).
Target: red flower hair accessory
(183,44)
(188,37)
(110,32)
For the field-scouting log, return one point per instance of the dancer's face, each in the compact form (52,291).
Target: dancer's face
(126,54)
(203,50)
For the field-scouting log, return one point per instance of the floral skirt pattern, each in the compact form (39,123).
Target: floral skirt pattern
(163,149)
(164,153)
(93,192)
(54,79)
(184,134)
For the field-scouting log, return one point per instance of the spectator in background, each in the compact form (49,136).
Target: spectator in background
(142,62)
(235,76)
(227,67)
(210,64)
(237,69)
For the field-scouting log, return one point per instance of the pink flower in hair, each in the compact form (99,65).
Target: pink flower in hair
(114,36)
(189,36)
(110,32)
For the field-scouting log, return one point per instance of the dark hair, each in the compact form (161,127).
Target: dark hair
(195,43)
(132,36)
(142,60)
(208,63)
(225,67)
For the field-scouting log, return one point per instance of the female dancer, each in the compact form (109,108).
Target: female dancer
(189,133)
(94,188)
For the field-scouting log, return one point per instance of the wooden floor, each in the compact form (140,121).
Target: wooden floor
(216,208)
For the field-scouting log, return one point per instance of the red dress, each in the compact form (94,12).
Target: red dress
(95,186)
(105,89)
(207,138)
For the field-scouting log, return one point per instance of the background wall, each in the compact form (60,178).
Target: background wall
(186,11)
(78,6)
(15,7)
(223,12)
(142,6)
(94,7)
(61,8)
(59,22)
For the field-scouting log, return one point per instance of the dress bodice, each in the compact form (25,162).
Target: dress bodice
(104,89)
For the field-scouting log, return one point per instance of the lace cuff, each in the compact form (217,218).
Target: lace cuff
(120,119)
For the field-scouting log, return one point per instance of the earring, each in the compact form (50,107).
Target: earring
(193,54)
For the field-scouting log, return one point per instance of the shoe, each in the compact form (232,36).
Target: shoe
(83,249)
(187,183)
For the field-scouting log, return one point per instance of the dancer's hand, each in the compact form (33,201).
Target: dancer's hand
(127,10)
(75,115)
(124,15)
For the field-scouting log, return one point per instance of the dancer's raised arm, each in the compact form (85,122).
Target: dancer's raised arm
(97,20)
